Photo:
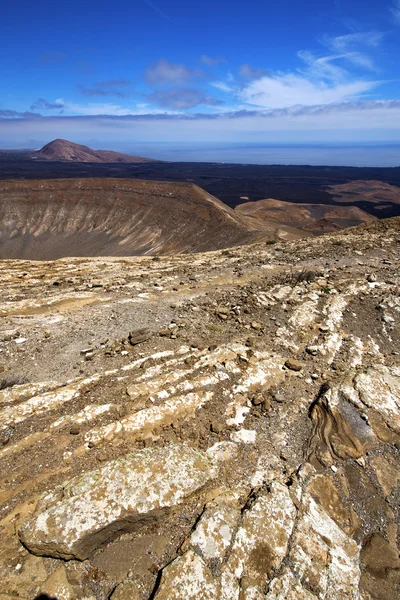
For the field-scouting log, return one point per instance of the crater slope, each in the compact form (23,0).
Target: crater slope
(224,425)
(49,219)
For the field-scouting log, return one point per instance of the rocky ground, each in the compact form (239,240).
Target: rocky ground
(219,425)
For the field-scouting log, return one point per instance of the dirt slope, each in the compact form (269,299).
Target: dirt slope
(376,192)
(63,150)
(48,219)
(319,218)
(224,425)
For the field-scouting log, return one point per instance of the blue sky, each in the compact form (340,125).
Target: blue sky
(216,70)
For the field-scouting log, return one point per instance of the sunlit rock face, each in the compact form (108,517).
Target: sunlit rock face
(224,425)
(49,219)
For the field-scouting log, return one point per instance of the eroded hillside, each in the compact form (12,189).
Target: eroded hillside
(318,218)
(221,425)
(50,219)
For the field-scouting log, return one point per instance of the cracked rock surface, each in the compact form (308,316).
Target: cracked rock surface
(223,425)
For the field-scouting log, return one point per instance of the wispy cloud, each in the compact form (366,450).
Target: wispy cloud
(211,61)
(15,114)
(96,108)
(157,9)
(166,72)
(354,47)
(56,57)
(106,88)
(248,72)
(343,43)
(182,99)
(323,68)
(144,111)
(43,104)
(395,9)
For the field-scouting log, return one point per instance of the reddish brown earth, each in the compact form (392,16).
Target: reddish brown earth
(318,218)
(68,151)
(377,192)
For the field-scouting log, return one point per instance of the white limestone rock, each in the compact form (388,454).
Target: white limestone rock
(88,511)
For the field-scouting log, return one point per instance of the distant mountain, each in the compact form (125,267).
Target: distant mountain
(63,150)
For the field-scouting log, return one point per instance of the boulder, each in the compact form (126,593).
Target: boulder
(90,510)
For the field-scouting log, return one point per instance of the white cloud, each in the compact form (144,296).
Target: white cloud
(322,80)
(283,91)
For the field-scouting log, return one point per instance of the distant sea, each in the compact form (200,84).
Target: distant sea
(360,155)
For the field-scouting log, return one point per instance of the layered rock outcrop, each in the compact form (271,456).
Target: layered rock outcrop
(224,425)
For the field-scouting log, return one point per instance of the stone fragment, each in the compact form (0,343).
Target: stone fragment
(138,336)
(6,433)
(244,436)
(223,451)
(381,569)
(189,578)
(12,380)
(262,539)
(127,590)
(378,555)
(378,388)
(313,350)
(75,429)
(293,364)
(323,490)
(217,427)
(339,431)
(213,534)
(266,404)
(258,399)
(388,474)
(57,586)
(288,587)
(90,510)
(324,558)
